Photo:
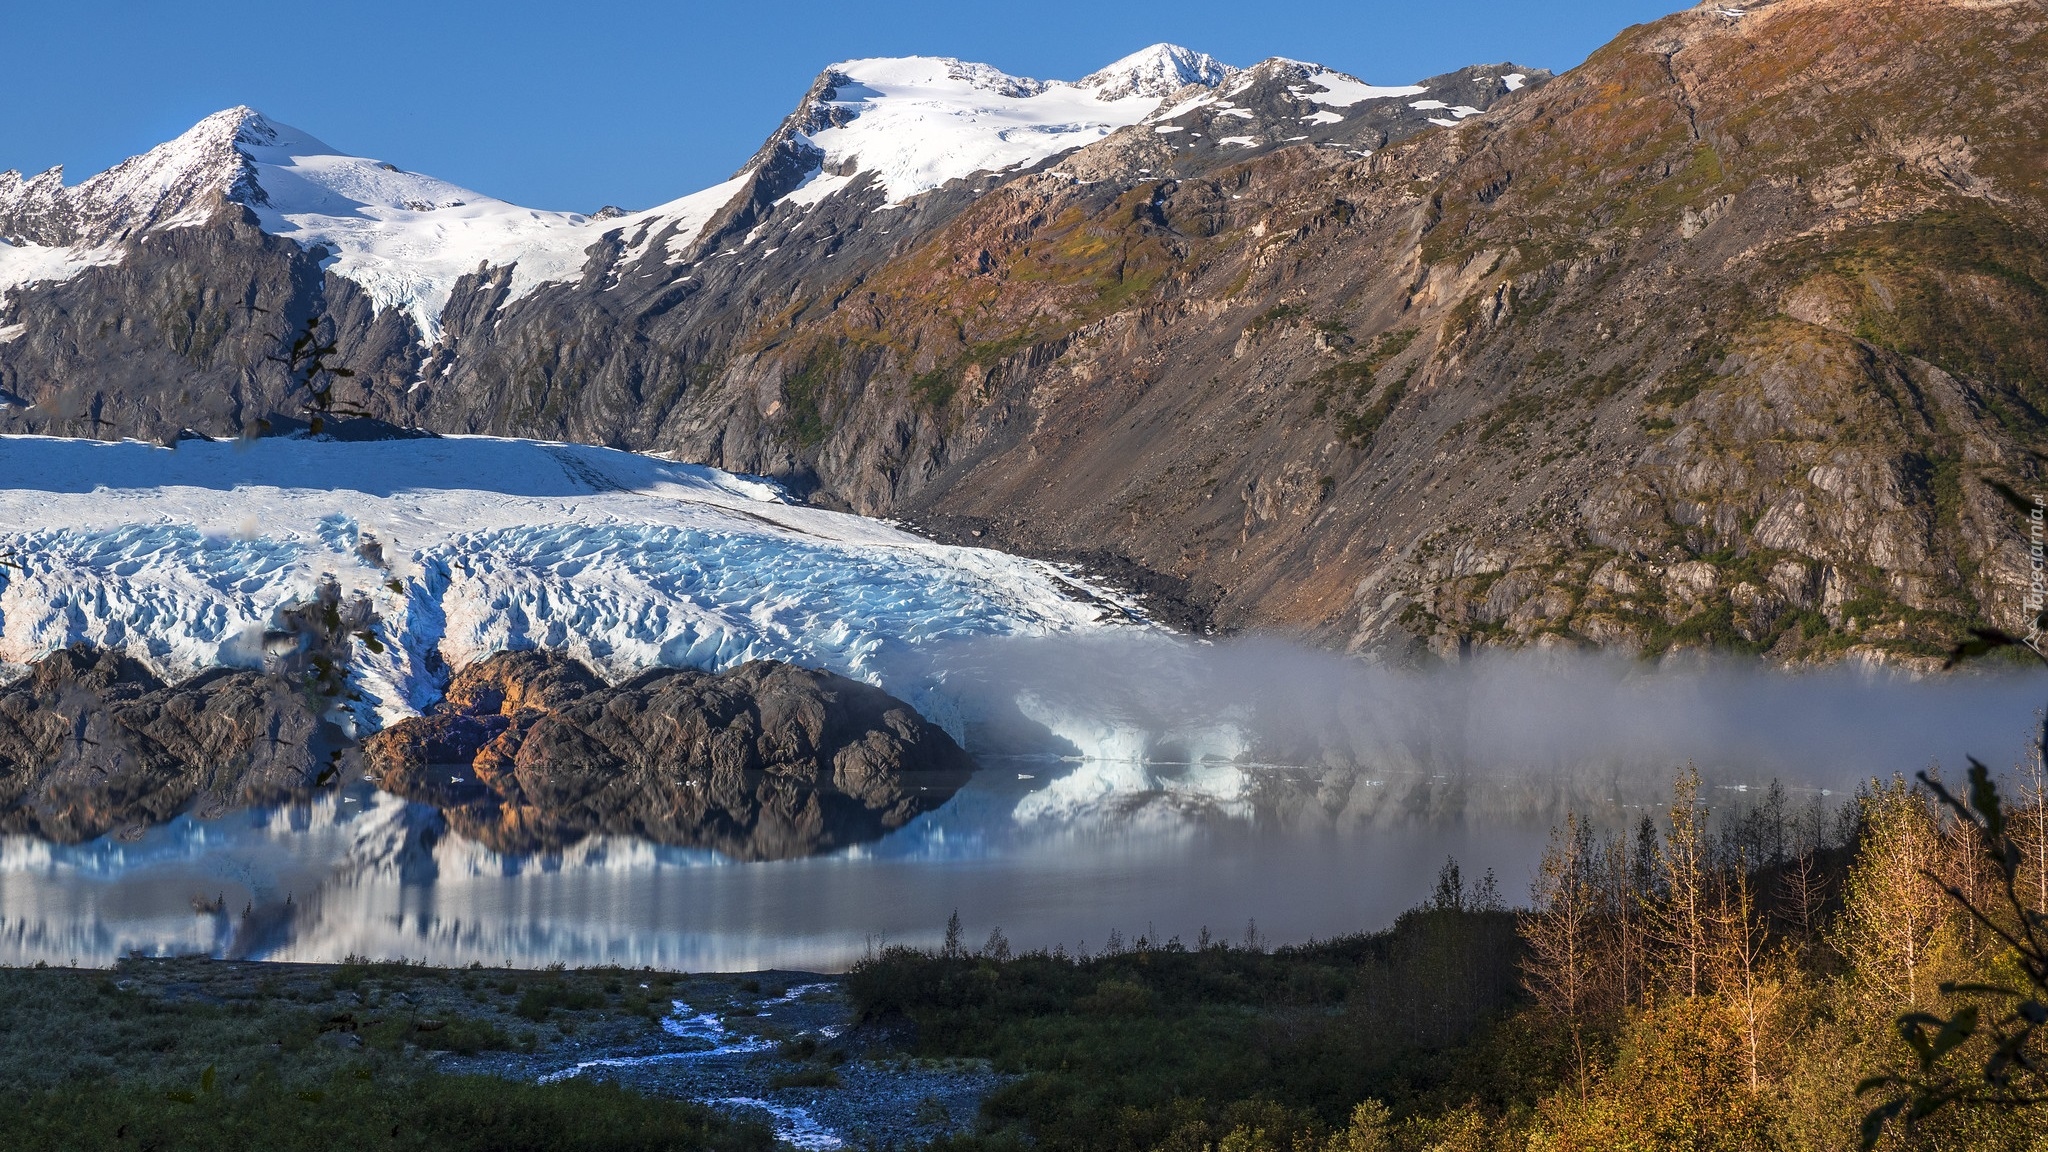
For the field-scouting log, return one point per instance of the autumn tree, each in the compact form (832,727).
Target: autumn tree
(1892,905)
(1628,881)
(1740,964)
(1679,920)
(1563,931)
(2029,831)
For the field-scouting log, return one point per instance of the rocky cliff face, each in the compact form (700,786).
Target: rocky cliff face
(1708,342)
(531,751)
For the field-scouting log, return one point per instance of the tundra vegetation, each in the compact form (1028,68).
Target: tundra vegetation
(197,1055)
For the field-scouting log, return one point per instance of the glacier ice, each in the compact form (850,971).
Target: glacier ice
(624,561)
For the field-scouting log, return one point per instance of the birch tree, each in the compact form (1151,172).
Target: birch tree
(1562,933)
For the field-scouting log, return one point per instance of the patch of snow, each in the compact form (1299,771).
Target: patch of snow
(624,561)
(1163,129)
(815,188)
(1176,111)
(918,122)
(1241,113)
(1514,81)
(1239,141)
(1459,112)
(1443,123)
(1324,117)
(9,332)
(686,216)
(26,263)
(1341,91)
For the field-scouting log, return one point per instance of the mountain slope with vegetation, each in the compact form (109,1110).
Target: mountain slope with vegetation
(1705,342)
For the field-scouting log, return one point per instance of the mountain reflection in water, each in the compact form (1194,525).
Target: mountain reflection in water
(367,874)
(1172,819)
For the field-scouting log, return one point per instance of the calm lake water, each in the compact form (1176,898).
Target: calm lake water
(1160,821)
(369,875)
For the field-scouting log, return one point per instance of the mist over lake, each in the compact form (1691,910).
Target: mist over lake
(1132,783)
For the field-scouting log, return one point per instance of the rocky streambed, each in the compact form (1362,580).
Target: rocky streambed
(780,1047)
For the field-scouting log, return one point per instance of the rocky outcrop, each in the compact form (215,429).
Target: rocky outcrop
(91,742)
(531,751)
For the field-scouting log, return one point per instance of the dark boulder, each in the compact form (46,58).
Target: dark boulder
(530,751)
(91,741)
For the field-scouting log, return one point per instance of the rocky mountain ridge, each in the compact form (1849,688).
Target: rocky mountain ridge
(1709,342)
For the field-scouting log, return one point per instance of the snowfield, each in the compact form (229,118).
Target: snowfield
(469,545)
(921,121)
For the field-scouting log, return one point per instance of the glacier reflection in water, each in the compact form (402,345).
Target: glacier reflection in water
(1216,784)
(1061,857)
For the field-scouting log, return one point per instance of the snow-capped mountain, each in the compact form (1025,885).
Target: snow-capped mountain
(1160,70)
(873,300)
(883,131)
(405,237)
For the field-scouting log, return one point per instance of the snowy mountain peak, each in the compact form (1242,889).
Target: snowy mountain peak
(404,237)
(181,181)
(918,122)
(1160,70)
(897,127)
(36,208)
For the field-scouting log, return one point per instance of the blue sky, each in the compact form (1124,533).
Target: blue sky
(574,106)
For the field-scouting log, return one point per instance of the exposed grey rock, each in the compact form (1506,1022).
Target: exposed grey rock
(91,742)
(530,751)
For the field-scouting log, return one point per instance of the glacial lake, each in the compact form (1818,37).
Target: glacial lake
(1147,831)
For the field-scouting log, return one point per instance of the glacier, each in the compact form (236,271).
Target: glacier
(466,546)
